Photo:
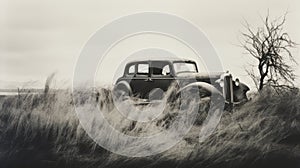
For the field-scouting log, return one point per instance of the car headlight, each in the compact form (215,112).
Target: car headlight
(221,82)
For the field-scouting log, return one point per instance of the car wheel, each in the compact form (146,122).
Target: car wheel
(122,92)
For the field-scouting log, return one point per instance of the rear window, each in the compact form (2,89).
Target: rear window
(131,69)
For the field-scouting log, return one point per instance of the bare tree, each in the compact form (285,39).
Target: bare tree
(271,47)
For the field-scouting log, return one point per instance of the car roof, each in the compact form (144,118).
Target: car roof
(163,59)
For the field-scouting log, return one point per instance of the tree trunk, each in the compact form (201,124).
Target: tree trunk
(261,82)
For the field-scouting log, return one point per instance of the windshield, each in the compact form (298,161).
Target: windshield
(181,67)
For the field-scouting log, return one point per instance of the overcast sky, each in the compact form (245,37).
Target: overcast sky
(38,37)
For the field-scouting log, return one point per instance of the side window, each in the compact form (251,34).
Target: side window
(131,70)
(166,70)
(143,69)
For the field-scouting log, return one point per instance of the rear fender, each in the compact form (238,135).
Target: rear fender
(123,85)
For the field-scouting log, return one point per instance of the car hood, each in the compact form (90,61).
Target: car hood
(212,75)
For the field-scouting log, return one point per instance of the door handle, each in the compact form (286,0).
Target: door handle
(148,80)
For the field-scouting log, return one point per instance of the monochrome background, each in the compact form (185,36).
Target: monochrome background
(38,37)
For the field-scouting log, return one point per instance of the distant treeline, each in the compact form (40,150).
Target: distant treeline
(21,90)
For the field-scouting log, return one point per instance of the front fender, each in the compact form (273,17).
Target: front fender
(240,93)
(203,85)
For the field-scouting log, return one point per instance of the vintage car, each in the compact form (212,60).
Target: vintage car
(140,78)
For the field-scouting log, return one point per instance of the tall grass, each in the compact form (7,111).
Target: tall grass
(44,131)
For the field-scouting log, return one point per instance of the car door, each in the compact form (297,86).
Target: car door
(161,75)
(141,82)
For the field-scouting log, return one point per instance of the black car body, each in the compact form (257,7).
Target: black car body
(142,77)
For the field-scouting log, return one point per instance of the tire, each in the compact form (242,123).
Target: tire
(122,91)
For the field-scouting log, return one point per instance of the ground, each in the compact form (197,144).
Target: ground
(42,130)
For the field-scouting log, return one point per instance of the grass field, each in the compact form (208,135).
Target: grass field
(42,130)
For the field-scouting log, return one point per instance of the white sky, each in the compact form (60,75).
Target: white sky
(38,37)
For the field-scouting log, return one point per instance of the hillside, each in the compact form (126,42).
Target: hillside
(43,131)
